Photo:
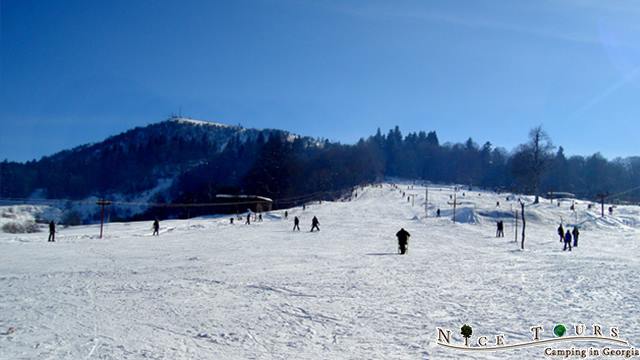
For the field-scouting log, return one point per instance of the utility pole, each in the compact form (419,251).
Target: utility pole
(426,201)
(455,203)
(524,224)
(602,196)
(102,203)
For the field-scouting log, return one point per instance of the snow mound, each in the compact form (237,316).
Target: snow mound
(464,215)
(609,223)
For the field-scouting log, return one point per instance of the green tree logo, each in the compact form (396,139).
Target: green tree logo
(466,331)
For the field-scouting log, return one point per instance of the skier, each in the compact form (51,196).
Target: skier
(231,221)
(497,203)
(403,240)
(567,240)
(156,227)
(52,232)
(561,232)
(260,217)
(610,210)
(296,223)
(248,222)
(315,223)
(286,214)
(438,212)
(575,233)
(304,207)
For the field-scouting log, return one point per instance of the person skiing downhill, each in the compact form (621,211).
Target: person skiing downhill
(315,223)
(296,223)
(575,234)
(403,241)
(156,228)
(52,232)
(567,241)
(561,232)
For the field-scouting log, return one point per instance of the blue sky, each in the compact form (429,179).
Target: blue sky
(77,71)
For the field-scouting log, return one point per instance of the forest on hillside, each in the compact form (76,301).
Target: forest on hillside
(202,163)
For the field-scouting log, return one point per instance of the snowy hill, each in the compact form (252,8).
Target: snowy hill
(139,164)
(208,289)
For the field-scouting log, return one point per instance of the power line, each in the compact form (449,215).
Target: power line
(624,192)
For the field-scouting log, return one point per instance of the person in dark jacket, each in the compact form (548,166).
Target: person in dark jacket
(403,240)
(315,223)
(561,232)
(567,240)
(286,214)
(575,234)
(248,222)
(156,228)
(52,232)
(500,229)
(296,223)
(438,213)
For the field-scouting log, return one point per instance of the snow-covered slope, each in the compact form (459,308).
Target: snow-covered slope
(206,289)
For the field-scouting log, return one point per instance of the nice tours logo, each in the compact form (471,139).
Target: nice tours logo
(561,343)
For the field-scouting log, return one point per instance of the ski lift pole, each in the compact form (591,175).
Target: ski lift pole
(455,202)
(515,218)
(426,201)
(602,196)
(102,203)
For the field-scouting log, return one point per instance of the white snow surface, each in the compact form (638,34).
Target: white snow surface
(206,289)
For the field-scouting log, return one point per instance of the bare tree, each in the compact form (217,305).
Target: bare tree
(532,159)
(541,152)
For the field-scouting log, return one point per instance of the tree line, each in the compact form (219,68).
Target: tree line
(275,164)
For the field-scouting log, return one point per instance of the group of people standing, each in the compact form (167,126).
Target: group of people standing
(567,236)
